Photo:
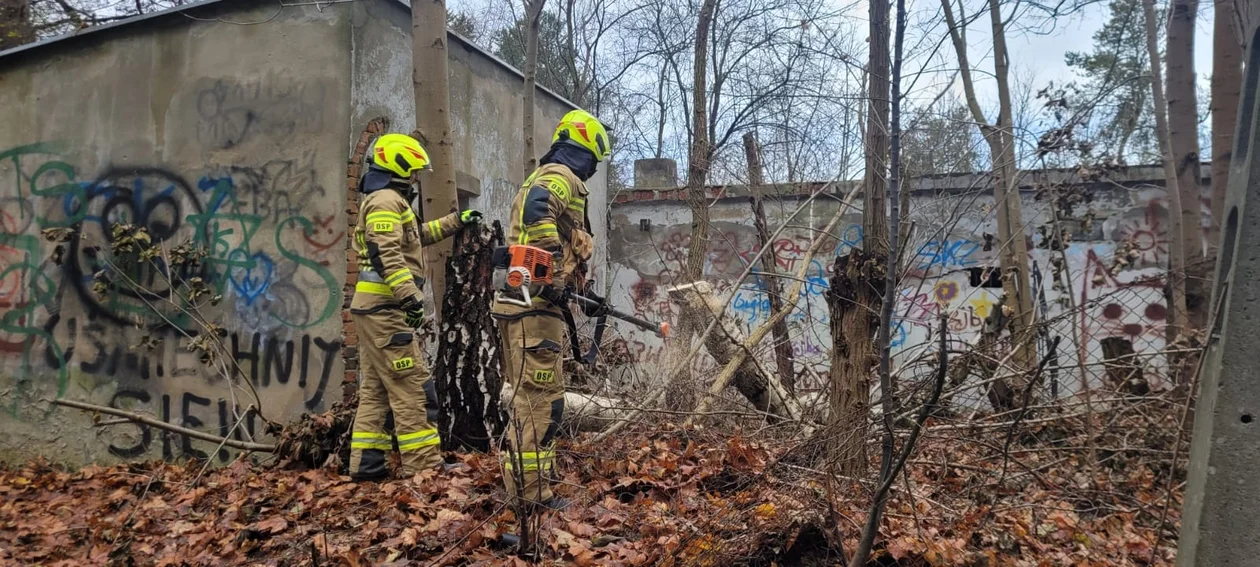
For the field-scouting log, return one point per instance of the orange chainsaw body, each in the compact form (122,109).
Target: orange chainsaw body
(529,265)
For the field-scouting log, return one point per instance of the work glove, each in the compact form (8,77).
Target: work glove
(470,216)
(413,312)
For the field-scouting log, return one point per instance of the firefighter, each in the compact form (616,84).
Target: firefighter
(388,307)
(549,212)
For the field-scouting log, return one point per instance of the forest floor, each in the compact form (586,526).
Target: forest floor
(669,496)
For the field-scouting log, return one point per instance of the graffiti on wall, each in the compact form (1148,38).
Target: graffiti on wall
(231,111)
(942,279)
(268,253)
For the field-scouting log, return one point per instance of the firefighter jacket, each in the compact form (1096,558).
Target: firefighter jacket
(387,242)
(549,212)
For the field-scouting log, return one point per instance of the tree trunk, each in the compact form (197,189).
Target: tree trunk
(1013,255)
(875,192)
(1014,258)
(1226,89)
(1183,136)
(854,303)
(857,281)
(698,162)
(15,23)
(774,287)
(438,196)
(533,15)
(1176,280)
(468,370)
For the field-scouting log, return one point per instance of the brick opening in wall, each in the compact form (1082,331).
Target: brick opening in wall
(985,277)
(350,349)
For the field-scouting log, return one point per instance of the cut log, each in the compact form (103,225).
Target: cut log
(468,370)
(582,412)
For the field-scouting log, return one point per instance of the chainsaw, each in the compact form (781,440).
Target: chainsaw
(527,271)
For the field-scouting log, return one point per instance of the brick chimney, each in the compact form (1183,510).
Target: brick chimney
(660,173)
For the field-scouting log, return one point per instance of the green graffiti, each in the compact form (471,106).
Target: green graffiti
(68,190)
(72,194)
(334,290)
(41,291)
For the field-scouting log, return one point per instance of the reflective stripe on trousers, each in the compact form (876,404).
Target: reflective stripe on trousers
(529,461)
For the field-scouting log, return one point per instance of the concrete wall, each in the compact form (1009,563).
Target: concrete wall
(168,125)
(949,256)
(234,138)
(486,112)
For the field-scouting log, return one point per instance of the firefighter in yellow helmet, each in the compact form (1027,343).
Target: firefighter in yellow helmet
(388,307)
(548,212)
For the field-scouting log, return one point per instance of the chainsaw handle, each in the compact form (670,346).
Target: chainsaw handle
(660,329)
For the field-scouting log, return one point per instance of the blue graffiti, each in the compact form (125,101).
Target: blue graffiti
(850,238)
(898,335)
(752,305)
(250,276)
(753,302)
(946,254)
(816,282)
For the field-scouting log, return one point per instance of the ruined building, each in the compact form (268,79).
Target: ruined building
(233,137)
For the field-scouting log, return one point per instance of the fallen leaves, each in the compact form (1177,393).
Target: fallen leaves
(643,499)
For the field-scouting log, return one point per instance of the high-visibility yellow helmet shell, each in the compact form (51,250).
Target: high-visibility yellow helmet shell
(581,129)
(392,156)
(400,154)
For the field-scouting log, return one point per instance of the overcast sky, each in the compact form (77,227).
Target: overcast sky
(1045,52)
(1039,53)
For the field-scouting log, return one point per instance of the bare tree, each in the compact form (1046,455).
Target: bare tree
(698,162)
(1227,50)
(1176,276)
(433,127)
(1017,301)
(1183,137)
(858,279)
(533,13)
(774,289)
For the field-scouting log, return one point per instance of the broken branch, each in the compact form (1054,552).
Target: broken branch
(141,418)
(793,295)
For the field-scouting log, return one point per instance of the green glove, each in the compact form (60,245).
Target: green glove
(413,312)
(470,216)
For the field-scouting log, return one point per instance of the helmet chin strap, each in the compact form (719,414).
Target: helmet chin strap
(405,187)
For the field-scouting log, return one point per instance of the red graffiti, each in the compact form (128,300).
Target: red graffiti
(918,308)
(1107,312)
(964,318)
(1149,239)
(322,237)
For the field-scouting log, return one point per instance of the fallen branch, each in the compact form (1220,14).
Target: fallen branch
(762,389)
(724,378)
(582,412)
(141,418)
(683,364)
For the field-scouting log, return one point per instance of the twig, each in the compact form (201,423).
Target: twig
(109,422)
(141,418)
(211,455)
(1010,434)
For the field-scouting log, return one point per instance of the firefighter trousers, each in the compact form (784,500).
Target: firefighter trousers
(532,363)
(392,376)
